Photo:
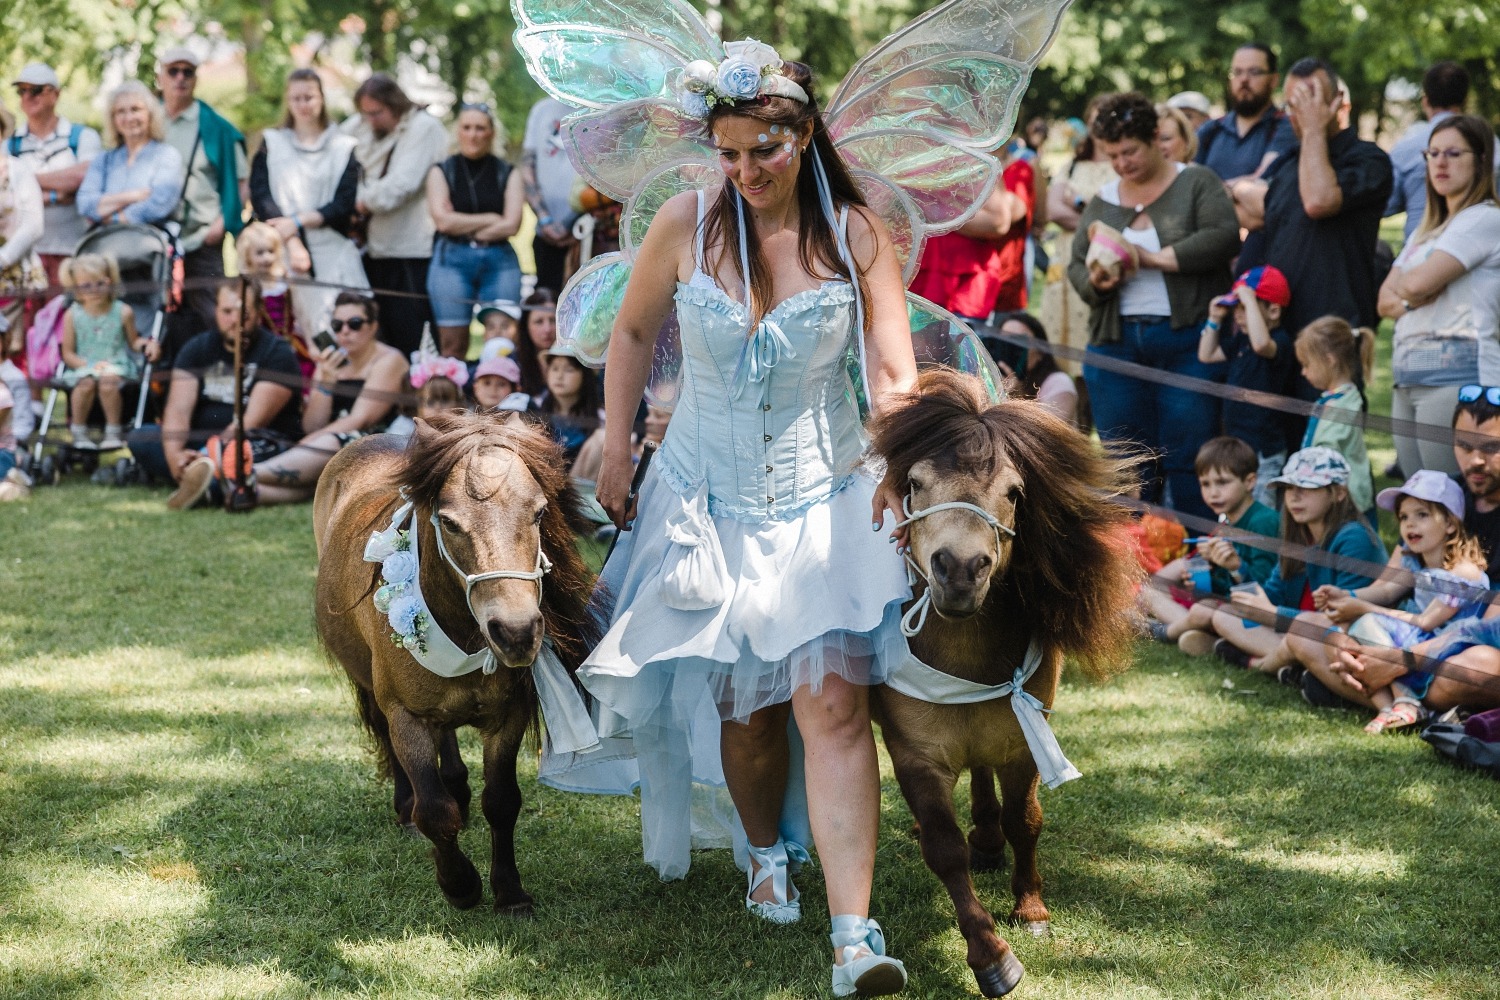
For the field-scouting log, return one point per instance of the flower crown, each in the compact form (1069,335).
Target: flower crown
(427,367)
(750,69)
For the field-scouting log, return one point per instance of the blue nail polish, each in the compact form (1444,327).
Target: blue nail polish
(874,525)
(892,539)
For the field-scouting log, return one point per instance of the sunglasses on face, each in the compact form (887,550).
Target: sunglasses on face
(25,90)
(356,324)
(1470,393)
(186,72)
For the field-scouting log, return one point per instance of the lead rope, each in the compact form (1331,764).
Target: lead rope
(916,615)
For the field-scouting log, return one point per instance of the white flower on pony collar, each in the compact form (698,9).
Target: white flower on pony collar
(750,69)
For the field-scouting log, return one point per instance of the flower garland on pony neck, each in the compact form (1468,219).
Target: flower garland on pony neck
(750,69)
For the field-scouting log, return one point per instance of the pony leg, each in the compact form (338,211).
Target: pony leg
(929,792)
(454,772)
(380,727)
(434,811)
(986,842)
(1021,819)
(502,804)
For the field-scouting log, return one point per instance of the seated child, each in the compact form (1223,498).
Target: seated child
(1316,512)
(99,336)
(1227,471)
(1260,357)
(494,381)
(571,400)
(501,319)
(1439,563)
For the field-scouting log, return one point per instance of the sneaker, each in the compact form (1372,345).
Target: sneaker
(1291,675)
(1231,654)
(1319,695)
(1196,642)
(1158,630)
(111,439)
(194,483)
(81,438)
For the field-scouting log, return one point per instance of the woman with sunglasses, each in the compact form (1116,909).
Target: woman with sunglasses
(355,390)
(475,200)
(1444,291)
(303,183)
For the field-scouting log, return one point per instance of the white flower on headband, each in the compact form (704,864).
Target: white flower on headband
(750,69)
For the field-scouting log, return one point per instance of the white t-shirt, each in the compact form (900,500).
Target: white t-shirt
(554,171)
(62,226)
(1145,292)
(1455,338)
(1058,394)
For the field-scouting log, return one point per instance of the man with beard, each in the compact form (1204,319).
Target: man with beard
(1254,132)
(1476,448)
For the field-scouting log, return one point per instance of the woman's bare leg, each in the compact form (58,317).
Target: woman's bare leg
(755,757)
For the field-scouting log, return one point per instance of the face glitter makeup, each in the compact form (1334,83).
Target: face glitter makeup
(761,137)
(787,147)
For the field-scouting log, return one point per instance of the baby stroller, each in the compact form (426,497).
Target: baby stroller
(145,257)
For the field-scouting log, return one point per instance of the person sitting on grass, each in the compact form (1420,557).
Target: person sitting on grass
(1438,561)
(1463,664)
(356,386)
(495,380)
(571,400)
(1316,513)
(1260,356)
(1227,471)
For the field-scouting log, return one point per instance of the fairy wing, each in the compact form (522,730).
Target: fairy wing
(925,107)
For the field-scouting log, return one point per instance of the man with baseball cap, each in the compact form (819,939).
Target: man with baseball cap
(58,152)
(214,190)
(1260,358)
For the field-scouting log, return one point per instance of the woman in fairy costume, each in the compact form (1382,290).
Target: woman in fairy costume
(752,564)
(751,606)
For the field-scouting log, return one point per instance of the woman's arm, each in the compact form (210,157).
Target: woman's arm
(166,185)
(26,214)
(648,299)
(1215,235)
(510,219)
(440,207)
(1078,270)
(375,398)
(1062,206)
(338,211)
(1421,284)
(893,368)
(262,202)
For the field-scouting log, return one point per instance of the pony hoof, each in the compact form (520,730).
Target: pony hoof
(521,909)
(986,861)
(1002,977)
(410,829)
(1039,928)
(468,900)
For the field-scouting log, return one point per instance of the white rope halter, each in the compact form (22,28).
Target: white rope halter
(916,615)
(543,567)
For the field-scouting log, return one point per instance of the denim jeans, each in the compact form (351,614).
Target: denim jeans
(461,275)
(1171,423)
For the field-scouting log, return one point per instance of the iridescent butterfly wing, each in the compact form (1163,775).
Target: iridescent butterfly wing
(916,120)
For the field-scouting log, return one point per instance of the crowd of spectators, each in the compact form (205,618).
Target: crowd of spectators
(1189,266)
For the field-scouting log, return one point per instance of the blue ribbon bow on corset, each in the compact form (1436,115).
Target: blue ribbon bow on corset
(764,349)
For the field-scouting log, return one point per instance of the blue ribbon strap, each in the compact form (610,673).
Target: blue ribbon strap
(764,349)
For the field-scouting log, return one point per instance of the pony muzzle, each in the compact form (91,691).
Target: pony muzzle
(515,639)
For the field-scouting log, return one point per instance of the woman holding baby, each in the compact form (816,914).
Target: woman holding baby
(1160,242)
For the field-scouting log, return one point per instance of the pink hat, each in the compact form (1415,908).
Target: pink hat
(503,367)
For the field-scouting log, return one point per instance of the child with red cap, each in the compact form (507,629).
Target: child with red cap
(1261,357)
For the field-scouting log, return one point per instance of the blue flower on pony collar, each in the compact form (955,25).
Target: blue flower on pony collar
(403,616)
(399,567)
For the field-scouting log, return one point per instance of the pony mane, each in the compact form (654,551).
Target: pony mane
(1072,573)
(444,441)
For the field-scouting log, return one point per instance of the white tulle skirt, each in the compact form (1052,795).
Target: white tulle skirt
(713,619)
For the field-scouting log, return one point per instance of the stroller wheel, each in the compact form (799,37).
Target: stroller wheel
(48,472)
(124,471)
(104,476)
(90,461)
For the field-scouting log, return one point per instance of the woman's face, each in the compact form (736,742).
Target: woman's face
(761,160)
(1170,140)
(1451,164)
(131,117)
(476,133)
(304,99)
(541,327)
(1133,159)
(564,378)
(343,326)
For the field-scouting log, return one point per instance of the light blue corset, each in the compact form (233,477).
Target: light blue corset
(768,424)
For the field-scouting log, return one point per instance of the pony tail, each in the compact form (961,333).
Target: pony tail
(1364,339)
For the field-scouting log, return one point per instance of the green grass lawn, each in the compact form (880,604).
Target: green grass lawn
(191,812)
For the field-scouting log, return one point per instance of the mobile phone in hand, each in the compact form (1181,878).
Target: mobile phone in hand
(324,341)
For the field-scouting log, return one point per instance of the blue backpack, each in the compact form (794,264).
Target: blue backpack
(74,134)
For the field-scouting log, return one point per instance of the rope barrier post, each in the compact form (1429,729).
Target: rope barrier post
(240,497)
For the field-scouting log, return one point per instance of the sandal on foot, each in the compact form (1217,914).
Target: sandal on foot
(1404,713)
(863,966)
(771,864)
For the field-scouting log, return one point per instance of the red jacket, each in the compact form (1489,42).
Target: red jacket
(974,277)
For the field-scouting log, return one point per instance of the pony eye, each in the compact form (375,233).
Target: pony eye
(538,518)
(449,524)
(1013,494)
(916,484)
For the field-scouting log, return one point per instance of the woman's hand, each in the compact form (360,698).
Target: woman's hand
(888,498)
(1102,280)
(298,259)
(1252,600)
(286,228)
(329,360)
(613,489)
(1220,552)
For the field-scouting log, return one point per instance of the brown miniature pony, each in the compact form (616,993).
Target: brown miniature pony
(1065,579)
(500,493)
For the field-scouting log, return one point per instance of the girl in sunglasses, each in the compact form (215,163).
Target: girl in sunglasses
(356,386)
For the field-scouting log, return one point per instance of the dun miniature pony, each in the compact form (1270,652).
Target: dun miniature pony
(1040,560)
(501,497)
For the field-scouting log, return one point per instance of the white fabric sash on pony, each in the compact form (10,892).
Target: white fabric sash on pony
(569,727)
(916,679)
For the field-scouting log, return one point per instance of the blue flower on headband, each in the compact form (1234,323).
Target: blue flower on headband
(738,79)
